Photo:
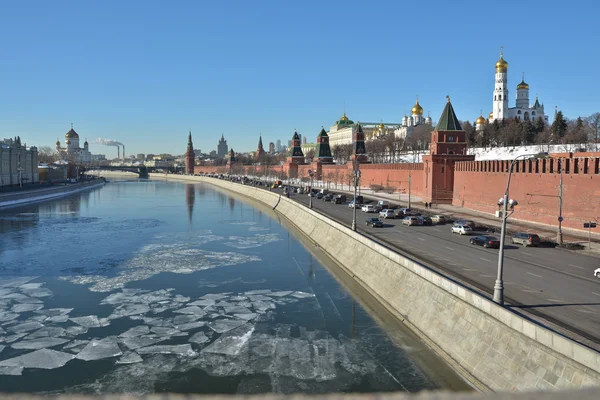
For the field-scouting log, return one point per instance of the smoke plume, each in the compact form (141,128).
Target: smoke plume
(109,142)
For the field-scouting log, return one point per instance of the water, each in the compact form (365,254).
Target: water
(144,287)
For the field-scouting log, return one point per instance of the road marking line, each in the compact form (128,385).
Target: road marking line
(421,239)
(597,294)
(527,254)
(585,311)
(449,248)
(484,259)
(555,300)
(534,275)
(575,266)
(529,291)
(488,276)
(469,269)
(451,263)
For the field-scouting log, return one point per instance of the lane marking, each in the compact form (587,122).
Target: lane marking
(555,300)
(597,294)
(469,269)
(529,291)
(488,276)
(421,239)
(449,248)
(534,275)
(485,259)
(575,266)
(527,254)
(585,311)
(451,263)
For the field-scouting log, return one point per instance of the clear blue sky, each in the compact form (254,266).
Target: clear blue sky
(145,72)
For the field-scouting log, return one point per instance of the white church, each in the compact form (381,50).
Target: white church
(72,151)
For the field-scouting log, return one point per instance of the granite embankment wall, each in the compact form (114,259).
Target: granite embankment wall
(33,196)
(491,346)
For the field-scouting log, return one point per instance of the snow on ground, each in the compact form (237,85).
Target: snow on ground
(510,153)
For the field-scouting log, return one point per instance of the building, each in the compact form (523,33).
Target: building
(523,110)
(278,147)
(190,157)
(72,151)
(411,122)
(222,148)
(18,164)
(342,132)
(140,157)
(99,157)
(260,151)
(271,147)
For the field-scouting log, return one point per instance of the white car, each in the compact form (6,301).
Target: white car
(351,205)
(462,229)
(597,272)
(387,213)
(368,208)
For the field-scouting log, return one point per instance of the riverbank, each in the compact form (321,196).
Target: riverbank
(16,199)
(493,347)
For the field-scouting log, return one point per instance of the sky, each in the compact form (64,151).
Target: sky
(146,72)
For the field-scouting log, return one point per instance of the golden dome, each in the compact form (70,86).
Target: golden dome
(522,85)
(501,64)
(480,120)
(381,126)
(491,114)
(58,142)
(344,118)
(417,109)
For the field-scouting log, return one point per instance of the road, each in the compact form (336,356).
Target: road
(554,284)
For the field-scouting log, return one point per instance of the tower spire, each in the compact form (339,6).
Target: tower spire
(71,125)
(501,51)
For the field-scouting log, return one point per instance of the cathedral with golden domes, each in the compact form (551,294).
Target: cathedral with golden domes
(523,110)
(409,123)
(72,151)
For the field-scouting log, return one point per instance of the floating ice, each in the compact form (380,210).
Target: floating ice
(199,338)
(21,298)
(236,310)
(7,316)
(232,342)
(99,349)
(183,319)
(1,348)
(181,299)
(54,312)
(190,326)
(281,294)
(41,292)
(203,303)
(258,297)
(257,229)
(12,338)
(76,343)
(136,331)
(302,295)
(246,317)
(25,327)
(224,304)
(18,308)
(225,325)
(129,309)
(11,370)
(141,341)
(179,349)
(39,343)
(215,296)
(238,298)
(90,321)
(247,242)
(165,331)
(16,282)
(130,358)
(262,306)
(76,330)
(58,319)
(47,331)
(44,358)
(195,310)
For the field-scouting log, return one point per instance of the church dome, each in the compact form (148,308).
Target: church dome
(480,120)
(417,109)
(72,134)
(58,142)
(522,85)
(501,64)
(381,126)
(345,121)
(491,114)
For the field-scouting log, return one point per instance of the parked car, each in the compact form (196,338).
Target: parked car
(597,272)
(410,221)
(465,222)
(383,204)
(360,199)
(399,213)
(328,197)
(312,194)
(409,212)
(319,195)
(368,208)
(526,239)
(439,219)
(387,213)
(374,222)
(341,197)
(461,229)
(426,221)
(486,241)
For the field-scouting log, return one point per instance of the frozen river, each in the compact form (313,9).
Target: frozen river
(145,286)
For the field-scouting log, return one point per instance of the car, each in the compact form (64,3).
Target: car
(526,239)
(387,213)
(465,222)
(319,195)
(399,213)
(360,199)
(312,194)
(411,220)
(327,197)
(351,205)
(486,241)
(383,204)
(425,221)
(461,229)
(368,208)
(374,222)
(439,219)
(597,272)
(408,212)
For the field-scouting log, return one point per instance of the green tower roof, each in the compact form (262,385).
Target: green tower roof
(448,120)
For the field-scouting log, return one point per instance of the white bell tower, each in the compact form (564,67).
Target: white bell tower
(500,110)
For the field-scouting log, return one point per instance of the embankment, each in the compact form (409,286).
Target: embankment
(491,346)
(33,196)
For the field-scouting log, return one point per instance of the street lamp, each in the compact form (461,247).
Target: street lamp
(310,192)
(505,203)
(20,169)
(356,176)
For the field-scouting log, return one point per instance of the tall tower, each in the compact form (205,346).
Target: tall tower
(323,151)
(189,156)
(523,94)
(297,154)
(501,89)
(359,151)
(260,150)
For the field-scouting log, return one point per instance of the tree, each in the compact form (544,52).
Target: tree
(576,133)
(540,125)
(559,126)
(310,154)
(470,133)
(341,153)
(47,154)
(593,124)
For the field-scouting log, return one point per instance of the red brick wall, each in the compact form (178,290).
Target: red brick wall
(478,186)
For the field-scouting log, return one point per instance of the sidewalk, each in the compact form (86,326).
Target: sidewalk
(545,232)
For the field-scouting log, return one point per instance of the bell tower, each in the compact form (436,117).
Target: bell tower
(500,110)
(190,156)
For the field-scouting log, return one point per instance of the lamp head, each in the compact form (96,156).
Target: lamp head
(501,201)
(512,203)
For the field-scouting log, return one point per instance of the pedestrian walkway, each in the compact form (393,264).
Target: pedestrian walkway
(571,237)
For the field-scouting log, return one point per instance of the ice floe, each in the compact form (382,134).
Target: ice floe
(139,330)
(11,370)
(44,358)
(39,343)
(231,343)
(224,325)
(247,242)
(179,349)
(199,338)
(90,321)
(99,349)
(130,358)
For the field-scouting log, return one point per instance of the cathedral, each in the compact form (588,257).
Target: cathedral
(72,151)
(409,123)
(523,110)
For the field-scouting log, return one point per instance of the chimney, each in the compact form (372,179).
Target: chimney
(118,153)
(124,153)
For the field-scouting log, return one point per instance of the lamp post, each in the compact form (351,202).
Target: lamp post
(310,191)
(505,203)
(356,176)
(20,169)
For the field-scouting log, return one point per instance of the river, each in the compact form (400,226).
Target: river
(152,286)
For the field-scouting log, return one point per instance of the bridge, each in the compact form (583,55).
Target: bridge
(141,170)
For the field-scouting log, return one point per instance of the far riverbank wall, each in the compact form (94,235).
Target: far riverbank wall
(491,346)
(33,196)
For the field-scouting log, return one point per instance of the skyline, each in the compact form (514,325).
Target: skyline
(144,74)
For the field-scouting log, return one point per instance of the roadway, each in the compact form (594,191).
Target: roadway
(554,284)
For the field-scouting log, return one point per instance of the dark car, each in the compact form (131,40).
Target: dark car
(526,239)
(327,197)
(319,195)
(486,241)
(340,199)
(465,222)
(426,221)
(375,222)
(399,213)
(360,200)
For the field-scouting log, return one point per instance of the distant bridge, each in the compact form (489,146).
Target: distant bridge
(141,170)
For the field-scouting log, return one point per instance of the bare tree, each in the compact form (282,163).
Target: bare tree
(310,154)
(342,153)
(593,128)
(47,154)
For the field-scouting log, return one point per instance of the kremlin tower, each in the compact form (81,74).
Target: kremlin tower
(190,156)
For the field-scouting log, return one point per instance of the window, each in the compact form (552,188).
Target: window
(451,138)
(494,97)
(499,97)
(519,112)
(533,113)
